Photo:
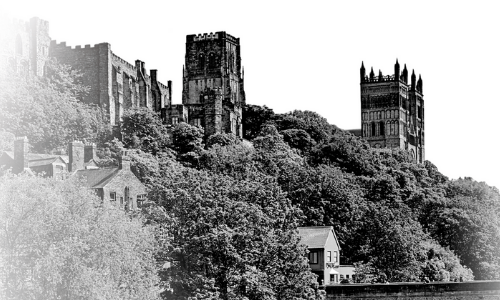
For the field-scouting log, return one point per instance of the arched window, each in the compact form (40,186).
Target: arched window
(387,114)
(373,129)
(201,61)
(382,128)
(19,46)
(211,61)
(371,115)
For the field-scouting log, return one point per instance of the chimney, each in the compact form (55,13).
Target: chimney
(89,152)
(20,154)
(76,156)
(124,161)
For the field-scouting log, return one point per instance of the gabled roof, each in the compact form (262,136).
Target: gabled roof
(316,236)
(97,178)
(44,161)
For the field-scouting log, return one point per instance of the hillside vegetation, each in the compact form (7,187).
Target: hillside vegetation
(225,210)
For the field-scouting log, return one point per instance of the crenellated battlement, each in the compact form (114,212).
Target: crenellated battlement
(205,36)
(62,45)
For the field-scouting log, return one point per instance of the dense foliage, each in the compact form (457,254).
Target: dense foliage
(47,110)
(225,210)
(58,241)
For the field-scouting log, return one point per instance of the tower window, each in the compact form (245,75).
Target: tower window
(373,129)
(211,61)
(382,128)
(201,62)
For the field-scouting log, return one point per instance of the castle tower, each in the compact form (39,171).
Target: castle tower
(212,63)
(392,112)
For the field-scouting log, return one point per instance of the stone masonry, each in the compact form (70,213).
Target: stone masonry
(392,111)
(213,95)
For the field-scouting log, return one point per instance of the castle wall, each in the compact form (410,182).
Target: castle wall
(25,46)
(416,291)
(115,84)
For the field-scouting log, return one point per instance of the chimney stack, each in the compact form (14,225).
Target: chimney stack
(89,152)
(20,154)
(124,161)
(76,156)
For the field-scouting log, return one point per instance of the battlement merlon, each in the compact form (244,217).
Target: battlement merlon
(211,36)
(62,45)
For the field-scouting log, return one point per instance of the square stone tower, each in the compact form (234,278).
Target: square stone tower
(213,66)
(392,111)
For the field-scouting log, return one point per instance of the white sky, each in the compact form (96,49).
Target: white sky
(306,55)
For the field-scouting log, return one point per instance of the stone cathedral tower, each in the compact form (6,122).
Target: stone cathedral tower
(213,93)
(392,111)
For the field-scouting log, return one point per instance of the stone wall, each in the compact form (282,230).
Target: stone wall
(416,291)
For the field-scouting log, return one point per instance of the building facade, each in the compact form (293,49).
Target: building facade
(114,84)
(392,111)
(213,94)
(324,252)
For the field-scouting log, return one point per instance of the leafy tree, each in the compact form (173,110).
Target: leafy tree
(315,125)
(187,140)
(468,224)
(59,241)
(47,110)
(254,116)
(143,129)
(222,139)
(232,239)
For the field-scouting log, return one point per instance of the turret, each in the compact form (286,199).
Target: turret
(420,84)
(413,79)
(362,72)
(380,76)
(405,75)
(372,75)
(396,70)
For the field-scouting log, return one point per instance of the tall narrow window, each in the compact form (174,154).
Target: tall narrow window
(373,129)
(382,128)
(201,62)
(335,256)
(328,256)
(313,257)
(211,61)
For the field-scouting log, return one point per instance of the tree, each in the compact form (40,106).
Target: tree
(59,241)
(143,129)
(254,116)
(47,110)
(187,140)
(232,239)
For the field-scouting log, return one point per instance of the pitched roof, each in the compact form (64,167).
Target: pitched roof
(97,178)
(315,236)
(44,161)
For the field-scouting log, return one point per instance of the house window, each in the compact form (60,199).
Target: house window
(313,257)
(112,196)
(328,256)
(335,256)
(175,120)
(197,122)
(347,276)
(140,200)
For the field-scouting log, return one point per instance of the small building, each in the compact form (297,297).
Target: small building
(324,252)
(346,272)
(117,185)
